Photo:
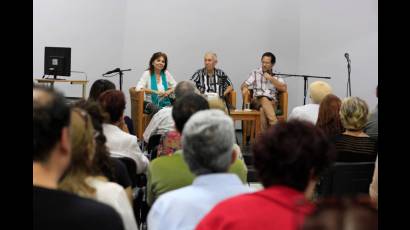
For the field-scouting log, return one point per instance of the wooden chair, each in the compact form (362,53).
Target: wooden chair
(281,110)
(232,99)
(139,119)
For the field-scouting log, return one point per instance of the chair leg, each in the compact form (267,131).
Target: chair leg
(244,131)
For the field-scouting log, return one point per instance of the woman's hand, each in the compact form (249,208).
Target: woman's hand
(167,93)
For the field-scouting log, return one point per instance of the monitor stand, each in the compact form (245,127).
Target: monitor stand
(55,78)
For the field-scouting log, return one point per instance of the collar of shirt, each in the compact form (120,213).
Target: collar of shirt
(215,179)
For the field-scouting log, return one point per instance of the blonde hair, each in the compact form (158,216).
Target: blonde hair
(319,90)
(82,149)
(353,113)
(217,103)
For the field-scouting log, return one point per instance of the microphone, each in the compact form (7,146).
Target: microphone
(116,70)
(347,57)
(112,71)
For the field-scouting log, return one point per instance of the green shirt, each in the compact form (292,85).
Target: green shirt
(168,173)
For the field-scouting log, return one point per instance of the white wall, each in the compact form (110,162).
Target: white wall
(94,29)
(308,37)
(238,31)
(329,28)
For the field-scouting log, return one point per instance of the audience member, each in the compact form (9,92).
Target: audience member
(289,157)
(79,177)
(112,168)
(120,143)
(208,139)
(329,119)
(317,91)
(168,173)
(354,145)
(374,186)
(52,208)
(162,121)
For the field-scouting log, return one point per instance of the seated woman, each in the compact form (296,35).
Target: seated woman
(99,87)
(288,158)
(79,178)
(354,145)
(120,143)
(157,83)
(112,168)
(328,119)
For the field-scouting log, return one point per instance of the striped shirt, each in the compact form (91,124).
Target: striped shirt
(355,149)
(217,83)
(261,86)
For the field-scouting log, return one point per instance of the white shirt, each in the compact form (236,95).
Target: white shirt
(114,195)
(160,123)
(122,144)
(145,82)
(307,112)
(185,207)
(260,85)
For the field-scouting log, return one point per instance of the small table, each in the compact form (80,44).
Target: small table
(252,115)
(52,81)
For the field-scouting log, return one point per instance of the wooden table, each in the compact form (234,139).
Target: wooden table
(253,115)
(52,81)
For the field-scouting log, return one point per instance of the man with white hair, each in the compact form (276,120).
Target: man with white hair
(317,90)
(207,141)
(162,121)
(210,79)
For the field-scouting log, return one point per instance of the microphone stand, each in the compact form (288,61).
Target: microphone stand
(120,72)
(305,78)
(349,86)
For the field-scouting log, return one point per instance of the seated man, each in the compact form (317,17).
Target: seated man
(265,86)
(211,79)
(207,143)
(168,173)
(317,90)
(162,121)
(54,209)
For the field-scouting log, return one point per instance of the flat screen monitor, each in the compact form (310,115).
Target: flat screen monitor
(57,61)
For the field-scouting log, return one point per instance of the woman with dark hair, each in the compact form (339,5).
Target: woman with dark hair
(99,87)
(120,143)
(113,169)
(288,157)
(328,119)
(157,82)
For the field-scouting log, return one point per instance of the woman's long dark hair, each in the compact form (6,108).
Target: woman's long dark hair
(154,57)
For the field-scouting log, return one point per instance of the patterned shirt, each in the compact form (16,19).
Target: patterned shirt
(261,86)
(216,83)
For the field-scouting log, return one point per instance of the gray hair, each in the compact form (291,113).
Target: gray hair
(183,88)
(212,54)
(207,142)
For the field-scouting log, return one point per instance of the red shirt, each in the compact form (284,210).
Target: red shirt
(277,207)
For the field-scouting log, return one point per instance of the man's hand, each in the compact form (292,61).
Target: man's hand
(267,76)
